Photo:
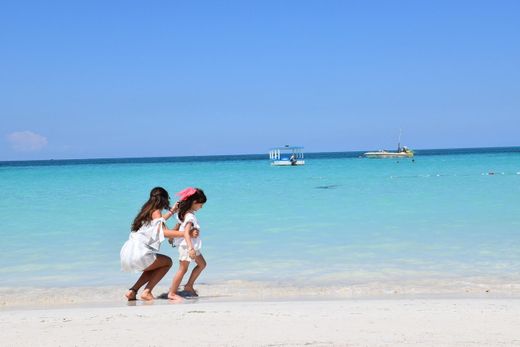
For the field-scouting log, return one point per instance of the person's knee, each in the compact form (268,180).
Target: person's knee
(164,261)
(202,265)
(183,268)
(169,262)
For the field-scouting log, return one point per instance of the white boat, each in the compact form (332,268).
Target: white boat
(402,152)
(287,156)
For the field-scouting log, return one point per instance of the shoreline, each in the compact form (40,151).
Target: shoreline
(23,298)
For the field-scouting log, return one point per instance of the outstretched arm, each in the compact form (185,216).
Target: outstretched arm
(171,233)
(172,211)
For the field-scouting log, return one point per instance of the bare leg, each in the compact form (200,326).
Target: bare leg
(144,278)
(155,277)
(151,275)
(131,294)
(201,264)
(183,268)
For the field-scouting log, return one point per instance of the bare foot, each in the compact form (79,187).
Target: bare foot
(131,294)
(147,295)
(175,298)
(190,290)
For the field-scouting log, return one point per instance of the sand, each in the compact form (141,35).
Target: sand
(347,322)
(256,314)
(30,297)
(470,322)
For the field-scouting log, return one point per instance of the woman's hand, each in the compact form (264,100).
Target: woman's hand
(175,208)
(192,253)
(171,211)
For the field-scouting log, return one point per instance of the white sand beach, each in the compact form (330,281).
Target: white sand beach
(425,322)
(248,314)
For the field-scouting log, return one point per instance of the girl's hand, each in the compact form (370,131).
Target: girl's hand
(192,253)
(194,233)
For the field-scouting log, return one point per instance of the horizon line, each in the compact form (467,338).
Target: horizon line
(241,154)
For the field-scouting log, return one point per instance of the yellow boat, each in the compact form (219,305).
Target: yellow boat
(403,152)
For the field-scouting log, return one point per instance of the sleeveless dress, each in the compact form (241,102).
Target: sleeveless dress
(140,250)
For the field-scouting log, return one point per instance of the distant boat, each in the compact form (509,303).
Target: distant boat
(287,156)
(402,152)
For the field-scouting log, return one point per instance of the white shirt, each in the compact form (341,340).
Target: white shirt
(195,241)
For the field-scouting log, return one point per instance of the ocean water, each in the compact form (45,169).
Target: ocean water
(339,219)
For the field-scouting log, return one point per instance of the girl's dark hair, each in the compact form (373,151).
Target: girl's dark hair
(159,200)
(185,205)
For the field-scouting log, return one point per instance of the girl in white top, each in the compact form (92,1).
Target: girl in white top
(191,200)
(140,252)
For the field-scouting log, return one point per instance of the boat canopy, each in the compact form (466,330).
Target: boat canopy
(287,148)
(292,155)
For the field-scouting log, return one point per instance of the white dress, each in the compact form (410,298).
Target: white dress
(140,250)
(180,242)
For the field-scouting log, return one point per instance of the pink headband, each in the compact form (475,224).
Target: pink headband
(186,193)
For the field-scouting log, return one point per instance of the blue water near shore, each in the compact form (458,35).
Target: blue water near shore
(339,219)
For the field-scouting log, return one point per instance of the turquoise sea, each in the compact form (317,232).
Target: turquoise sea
(339,219)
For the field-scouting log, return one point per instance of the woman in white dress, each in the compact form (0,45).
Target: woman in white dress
(140,252)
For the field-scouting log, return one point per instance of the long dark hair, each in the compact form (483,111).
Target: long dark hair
(159,200)
(185,205)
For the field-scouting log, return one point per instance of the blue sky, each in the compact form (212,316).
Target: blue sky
(91,79)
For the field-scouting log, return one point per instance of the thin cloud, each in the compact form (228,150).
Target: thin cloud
(26,141)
